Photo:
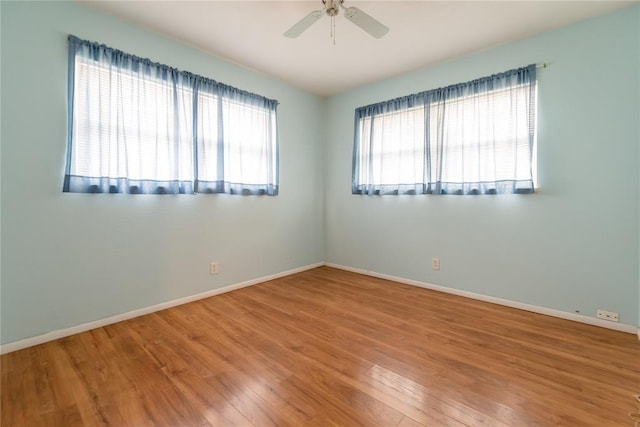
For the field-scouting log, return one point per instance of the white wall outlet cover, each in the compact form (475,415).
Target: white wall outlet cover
(213,268)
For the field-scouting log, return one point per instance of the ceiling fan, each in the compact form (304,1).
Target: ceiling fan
(331,8)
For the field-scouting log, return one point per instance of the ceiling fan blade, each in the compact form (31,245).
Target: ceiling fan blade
(302,25)
(365,21)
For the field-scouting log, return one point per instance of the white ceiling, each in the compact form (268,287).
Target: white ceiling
(421,33)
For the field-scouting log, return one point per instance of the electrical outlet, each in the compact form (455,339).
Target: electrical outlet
(608,315)
(435,263)
(213,268)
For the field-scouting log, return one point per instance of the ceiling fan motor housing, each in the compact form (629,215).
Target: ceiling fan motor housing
(332,7)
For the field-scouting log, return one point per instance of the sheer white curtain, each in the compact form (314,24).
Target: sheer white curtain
(471,138)
(235,157)
(482,135)
(135,126)
(401,162)
(390,153)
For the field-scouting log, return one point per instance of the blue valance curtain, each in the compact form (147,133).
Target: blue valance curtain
(469,138)
(135,126)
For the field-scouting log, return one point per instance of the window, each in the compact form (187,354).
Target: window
(135,126)
(470,138)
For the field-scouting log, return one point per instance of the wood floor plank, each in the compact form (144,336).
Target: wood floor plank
(327,348)
(408,422)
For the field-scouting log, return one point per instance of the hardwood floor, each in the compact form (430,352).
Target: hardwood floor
(328,348)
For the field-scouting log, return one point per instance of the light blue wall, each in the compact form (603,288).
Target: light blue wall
(638,121)
(68,259)
(571,246)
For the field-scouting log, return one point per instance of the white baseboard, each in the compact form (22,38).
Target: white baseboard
(54,335)
(514,304)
